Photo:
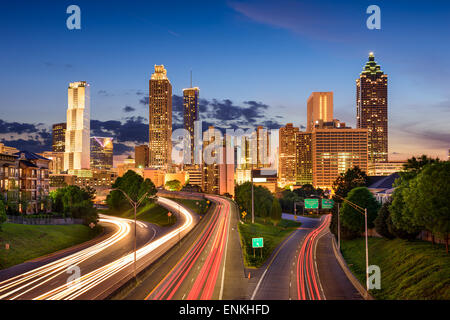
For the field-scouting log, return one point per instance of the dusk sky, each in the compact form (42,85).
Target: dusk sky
(256,62)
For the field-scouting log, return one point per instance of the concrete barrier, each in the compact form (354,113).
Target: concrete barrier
(362,291)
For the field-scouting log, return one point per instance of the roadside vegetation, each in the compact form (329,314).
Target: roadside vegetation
(409,269)
(268,223)
(137,188)
(272,234)
(28,242)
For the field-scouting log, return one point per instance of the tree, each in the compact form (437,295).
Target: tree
(307,190)
(275,213)
(134,186)
(427,199)
(401,222)
(263,199)
(381,222)
(287,200)
(72,201)
(353,219)
(349,180)
(173,185)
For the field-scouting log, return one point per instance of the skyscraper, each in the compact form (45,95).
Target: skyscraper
(287,155)
(190,108)
(59,137)
(319,107)
(303,158)
(371,109)
(212,143)
(77,150)
(102,153)
(160,119)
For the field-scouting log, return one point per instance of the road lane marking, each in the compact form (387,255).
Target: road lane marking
(265,271)
(225,258)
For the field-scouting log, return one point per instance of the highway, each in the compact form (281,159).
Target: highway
(104,266)
(303,267)
(208,266)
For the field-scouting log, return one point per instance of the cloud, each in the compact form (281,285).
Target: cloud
(104,93)
(128,109)
(326,21)
(25,136)
(144,101)
(133,130)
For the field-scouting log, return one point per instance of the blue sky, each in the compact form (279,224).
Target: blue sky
(274,53)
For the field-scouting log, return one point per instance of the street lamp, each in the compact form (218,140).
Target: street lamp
(364,212)
(135,205)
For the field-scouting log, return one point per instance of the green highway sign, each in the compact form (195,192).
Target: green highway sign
(327,203)
(311,203)
(257,242)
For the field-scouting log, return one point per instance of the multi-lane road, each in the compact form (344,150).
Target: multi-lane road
(103,266)
(304,267)
(210,266)
(199,258)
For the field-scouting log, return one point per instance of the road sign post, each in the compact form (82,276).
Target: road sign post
(312,204)
(327,203)
(257,243)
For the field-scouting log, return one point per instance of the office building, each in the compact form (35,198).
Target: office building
(335,149)
(319,107)
(190,115)
(77,147)
(372,109)
(102,153)
(287,155)
(160,119)
(303,158)
(141,156)
(59,137)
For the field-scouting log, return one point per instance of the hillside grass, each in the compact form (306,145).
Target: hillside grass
(32,241)
(272,235)
(152,212)
(409,269)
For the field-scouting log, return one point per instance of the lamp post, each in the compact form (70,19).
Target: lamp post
(339,227)
(135,205)
(253,196)
(364,212)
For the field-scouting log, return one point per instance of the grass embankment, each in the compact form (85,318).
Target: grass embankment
(32,241)
(273,236)
(409,269)
(199,206)
(152,212)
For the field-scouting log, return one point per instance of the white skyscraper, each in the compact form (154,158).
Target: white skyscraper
(77,153)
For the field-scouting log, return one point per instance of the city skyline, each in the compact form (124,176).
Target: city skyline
(121,109)
(314,165)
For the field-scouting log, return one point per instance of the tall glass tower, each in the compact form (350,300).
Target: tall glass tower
(160,119)
(190,108)
(372,109)
(77,149)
